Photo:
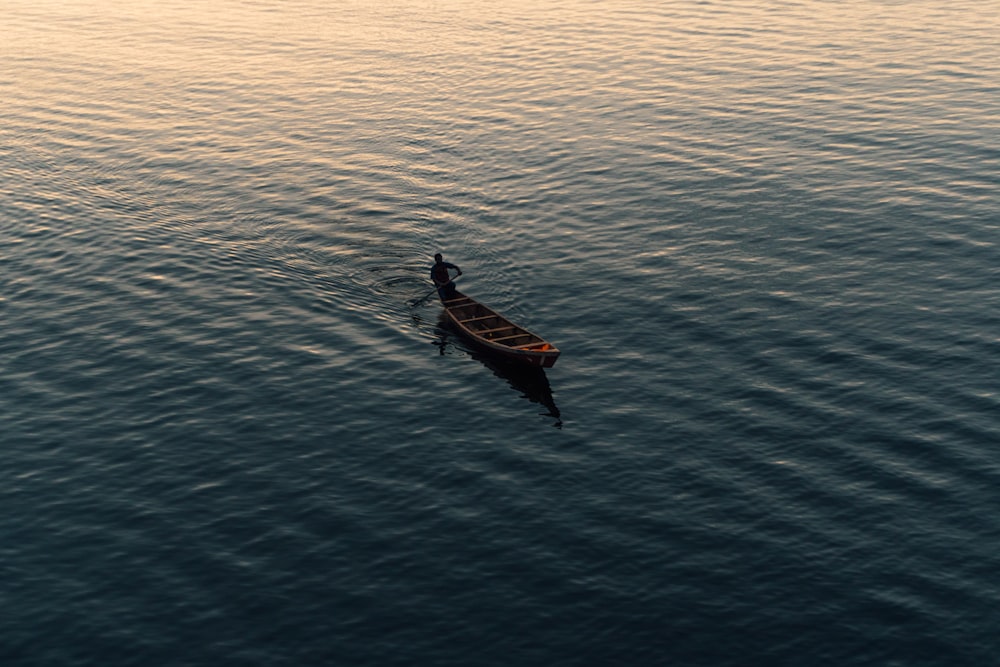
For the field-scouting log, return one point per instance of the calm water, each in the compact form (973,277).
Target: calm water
(765,235)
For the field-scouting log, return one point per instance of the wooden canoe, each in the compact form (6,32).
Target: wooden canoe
(496,333)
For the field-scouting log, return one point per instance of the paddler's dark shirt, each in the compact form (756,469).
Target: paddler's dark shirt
(439,272)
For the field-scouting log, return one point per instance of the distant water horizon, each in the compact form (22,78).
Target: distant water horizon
(764,237)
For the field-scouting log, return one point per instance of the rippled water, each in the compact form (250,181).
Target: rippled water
(764,234)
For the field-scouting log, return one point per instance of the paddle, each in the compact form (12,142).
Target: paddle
(433,291)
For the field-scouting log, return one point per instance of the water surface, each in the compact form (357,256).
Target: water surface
(763,234)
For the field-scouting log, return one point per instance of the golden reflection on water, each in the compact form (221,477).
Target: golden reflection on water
(390,46)
(576,73)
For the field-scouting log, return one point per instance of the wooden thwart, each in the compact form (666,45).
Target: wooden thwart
(476,319)
(489,331)
(520,335)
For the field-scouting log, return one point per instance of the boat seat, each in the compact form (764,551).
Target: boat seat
(520,335)
(510,327)
(476,319)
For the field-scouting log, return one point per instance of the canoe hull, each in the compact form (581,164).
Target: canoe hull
(495,333)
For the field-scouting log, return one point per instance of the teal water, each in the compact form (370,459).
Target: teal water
(764,235)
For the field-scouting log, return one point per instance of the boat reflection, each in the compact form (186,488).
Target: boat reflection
(530,381)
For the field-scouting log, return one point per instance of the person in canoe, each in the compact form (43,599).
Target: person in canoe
(441,277)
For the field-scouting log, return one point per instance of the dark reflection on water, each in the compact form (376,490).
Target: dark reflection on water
(529,381)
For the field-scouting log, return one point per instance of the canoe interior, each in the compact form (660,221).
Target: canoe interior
(485,325)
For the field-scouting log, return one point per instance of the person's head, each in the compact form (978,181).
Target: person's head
(438,257)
